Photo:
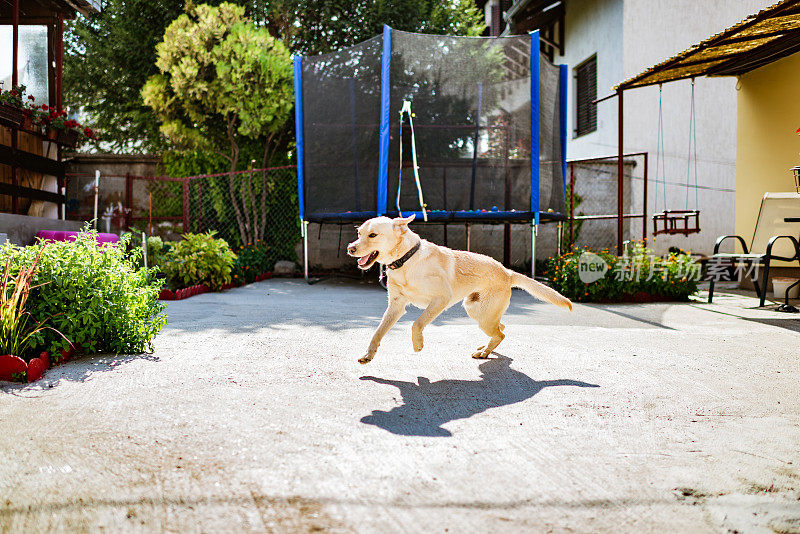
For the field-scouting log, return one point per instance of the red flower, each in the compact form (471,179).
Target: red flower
(798,131)
(44,107)
(31,97)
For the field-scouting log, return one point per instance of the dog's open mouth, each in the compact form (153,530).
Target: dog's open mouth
(365,262)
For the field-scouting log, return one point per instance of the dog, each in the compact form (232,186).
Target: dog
(434,278)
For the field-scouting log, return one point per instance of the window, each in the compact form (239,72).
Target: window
(31,61)
(585,95)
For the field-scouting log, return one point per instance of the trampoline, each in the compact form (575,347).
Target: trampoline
(481,107)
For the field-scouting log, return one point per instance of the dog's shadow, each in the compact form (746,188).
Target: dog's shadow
(429,405)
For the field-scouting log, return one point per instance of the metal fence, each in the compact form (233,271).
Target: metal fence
(248,206)
(593,200)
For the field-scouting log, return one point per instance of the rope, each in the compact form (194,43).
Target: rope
(406,109)
(692,153)
(660,156)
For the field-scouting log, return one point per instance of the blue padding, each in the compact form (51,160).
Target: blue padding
(562,85)
(298,126)
(439,216)
(348,216)
(383,151)
(535,80)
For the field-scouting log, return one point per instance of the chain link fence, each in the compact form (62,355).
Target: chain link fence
(261,205)
(249,206)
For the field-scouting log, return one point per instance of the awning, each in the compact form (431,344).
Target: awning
(769,35)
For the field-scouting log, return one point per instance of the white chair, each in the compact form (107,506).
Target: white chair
(774,238)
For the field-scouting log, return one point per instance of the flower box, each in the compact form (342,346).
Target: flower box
(67,137)
(11,116)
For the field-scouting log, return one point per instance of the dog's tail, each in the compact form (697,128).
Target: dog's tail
(540,291)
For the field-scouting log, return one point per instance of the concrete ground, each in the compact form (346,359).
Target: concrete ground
(253,415)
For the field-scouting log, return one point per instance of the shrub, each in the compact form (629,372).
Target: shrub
(199,259)
(17,328)
(672,276)
(252,260)
(97,297)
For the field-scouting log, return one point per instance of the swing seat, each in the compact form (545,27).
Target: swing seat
(672,222)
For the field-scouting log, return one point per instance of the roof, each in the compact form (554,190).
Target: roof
(44,11)
(769,35)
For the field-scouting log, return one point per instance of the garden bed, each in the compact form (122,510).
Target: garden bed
(640,277)
(15,369)
(199,289)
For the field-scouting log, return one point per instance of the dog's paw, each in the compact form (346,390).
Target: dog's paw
(416,340)
(481,354)
(366,359)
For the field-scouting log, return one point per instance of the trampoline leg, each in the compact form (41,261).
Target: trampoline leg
(534,231)
(467,234)
(560,235)
(304,231)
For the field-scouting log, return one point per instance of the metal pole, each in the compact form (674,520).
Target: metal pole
(620,171)
(96,194)
(560,232)
(144,250)
(571,204)
(304,232)
(644,201)
(467,232)
(534,231)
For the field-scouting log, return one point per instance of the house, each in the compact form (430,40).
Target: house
(32,167)
(762,53)
(607,41)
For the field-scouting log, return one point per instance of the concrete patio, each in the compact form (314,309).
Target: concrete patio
(253,415)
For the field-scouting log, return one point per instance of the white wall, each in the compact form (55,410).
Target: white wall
(630,36)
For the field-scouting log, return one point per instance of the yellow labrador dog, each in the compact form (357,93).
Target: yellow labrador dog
(434,278)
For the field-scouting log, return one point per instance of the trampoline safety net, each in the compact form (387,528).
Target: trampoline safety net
(471,100)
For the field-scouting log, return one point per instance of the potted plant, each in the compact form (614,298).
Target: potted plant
(12,107)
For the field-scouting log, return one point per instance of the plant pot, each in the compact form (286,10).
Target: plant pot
(11,116)
(67,137)
(781,284)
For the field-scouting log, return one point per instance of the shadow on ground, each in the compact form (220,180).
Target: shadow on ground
(79,370)
(429,405)
(345,304)
(790,323)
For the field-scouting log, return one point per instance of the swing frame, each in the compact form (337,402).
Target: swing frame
(676,222)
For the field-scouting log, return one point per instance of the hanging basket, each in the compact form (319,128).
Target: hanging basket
(671,222)
(67,137)
(11,116)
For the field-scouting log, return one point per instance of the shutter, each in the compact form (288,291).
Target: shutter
(586,94)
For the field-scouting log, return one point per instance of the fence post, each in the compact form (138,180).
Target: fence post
(185,183)
(128,199)
(200,207)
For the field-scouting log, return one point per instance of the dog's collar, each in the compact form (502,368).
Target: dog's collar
(407,256)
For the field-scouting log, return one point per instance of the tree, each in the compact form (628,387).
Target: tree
(108,57)
(322,26)
(223,80)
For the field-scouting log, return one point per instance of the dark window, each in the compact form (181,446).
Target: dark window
(585,95)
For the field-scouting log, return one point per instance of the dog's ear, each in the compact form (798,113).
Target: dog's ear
(401,223)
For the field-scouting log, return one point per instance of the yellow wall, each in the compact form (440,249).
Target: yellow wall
(768,114)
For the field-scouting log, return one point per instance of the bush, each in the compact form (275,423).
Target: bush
(97,297)
(673,276)
(251,261)
(199,259)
